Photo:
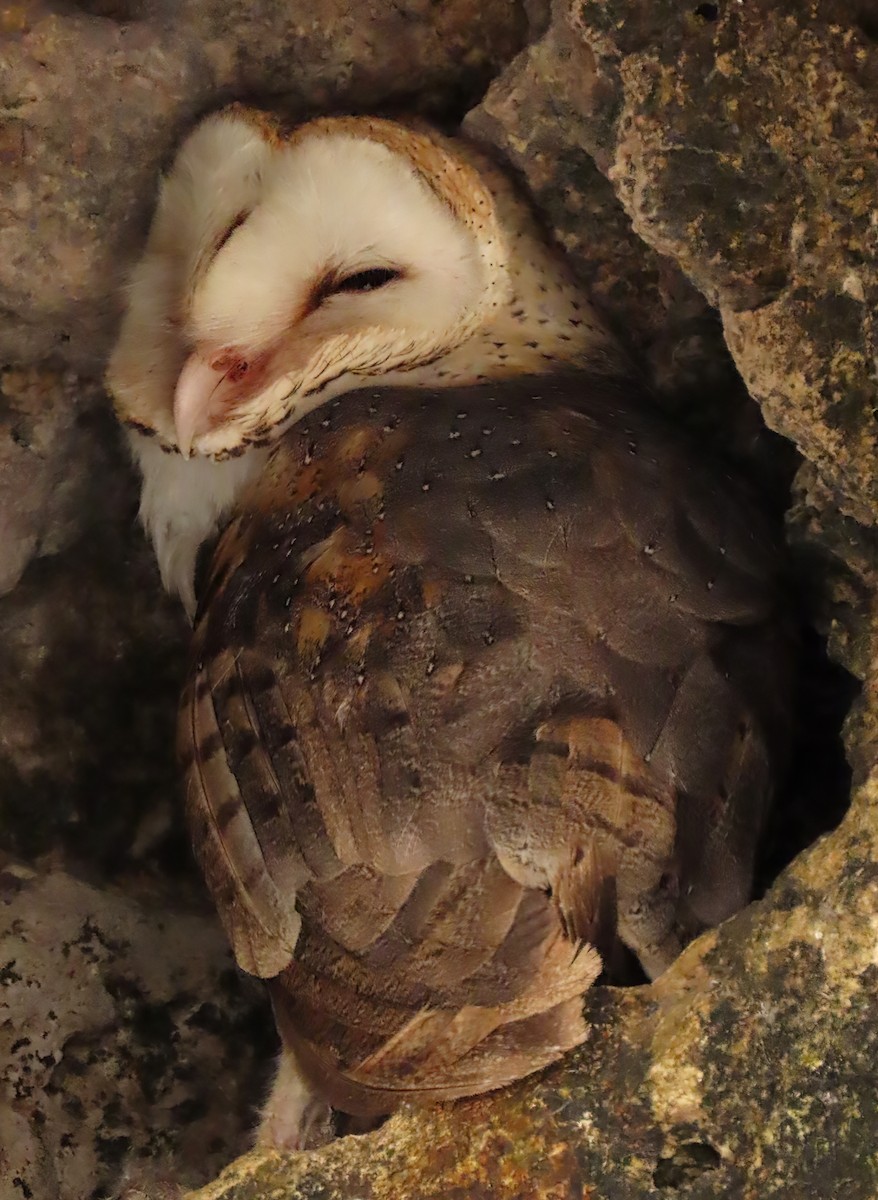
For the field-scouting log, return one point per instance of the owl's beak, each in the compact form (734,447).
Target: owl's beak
(209,389)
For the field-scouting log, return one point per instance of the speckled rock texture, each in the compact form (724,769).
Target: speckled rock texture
(109,1009)
(711,169)
(741,140)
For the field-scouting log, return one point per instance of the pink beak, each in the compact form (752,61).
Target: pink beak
(208,391)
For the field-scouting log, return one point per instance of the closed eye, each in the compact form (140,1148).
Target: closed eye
(365,281)
(333,283)
(224,237)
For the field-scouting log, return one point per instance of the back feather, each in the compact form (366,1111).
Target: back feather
(485,680)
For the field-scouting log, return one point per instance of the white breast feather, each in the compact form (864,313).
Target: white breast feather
(183,503)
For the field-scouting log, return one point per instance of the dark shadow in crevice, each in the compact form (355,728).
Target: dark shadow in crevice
(867,23)
(816,793)
(123,12)
(686,1165)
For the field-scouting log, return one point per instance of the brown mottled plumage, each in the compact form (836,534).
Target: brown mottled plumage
(488,677)
(482,678)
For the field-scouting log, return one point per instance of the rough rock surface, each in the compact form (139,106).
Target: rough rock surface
(540,115)
(43,429)
(736,141)
(117,1017)
(90,653)
(741,140)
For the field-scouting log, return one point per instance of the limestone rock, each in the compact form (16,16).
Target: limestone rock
(90,652)
(47,450)
(741,140)
(841,556)
(126,1041)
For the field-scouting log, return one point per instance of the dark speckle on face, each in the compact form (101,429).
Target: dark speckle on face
(139,427)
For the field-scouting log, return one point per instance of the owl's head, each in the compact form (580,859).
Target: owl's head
(283,269)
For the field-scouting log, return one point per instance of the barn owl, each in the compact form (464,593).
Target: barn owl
(392,253)
(489,670)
